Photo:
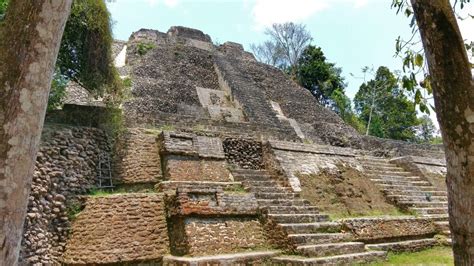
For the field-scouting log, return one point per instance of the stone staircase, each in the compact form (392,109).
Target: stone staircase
(408,191)
(318,241)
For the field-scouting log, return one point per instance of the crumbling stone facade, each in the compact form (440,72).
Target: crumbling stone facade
(66,168)
(119,229)
(217,141)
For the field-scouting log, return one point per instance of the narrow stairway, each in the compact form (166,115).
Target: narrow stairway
(408,191)
(318,241)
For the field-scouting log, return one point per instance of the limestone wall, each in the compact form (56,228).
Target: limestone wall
(66,167)
(188,157)
(213,220)
(287,160)
(223,235)
(372,230)
(137,158)
(119,229)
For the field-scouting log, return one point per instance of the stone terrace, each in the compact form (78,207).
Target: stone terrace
(205,169)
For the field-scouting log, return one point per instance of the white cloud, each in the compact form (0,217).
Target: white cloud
(267,12)
(152,2)
(168,3)
(171,3)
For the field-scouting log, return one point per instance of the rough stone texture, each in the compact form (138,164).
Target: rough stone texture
(286,160)
(223,235)
(185,168)
(137,158)
(66,167)
(244,153)
(212,220)
(211,201)
(244,258)
(431,169)
(119,229)
(380,229)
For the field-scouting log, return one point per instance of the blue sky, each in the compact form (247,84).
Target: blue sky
(352,33)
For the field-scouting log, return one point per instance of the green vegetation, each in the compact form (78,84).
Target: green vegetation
(3,8)
(73,210)
(429,257)
(58,91)
(384,108)
(237,189)
(85,55)
(143,48)
(317,75)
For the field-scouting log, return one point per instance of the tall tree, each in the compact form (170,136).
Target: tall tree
(29,42)
(285,45)
(385,109)
(426,130)
(319,76)
(269,53)
(85,55)
(453,90)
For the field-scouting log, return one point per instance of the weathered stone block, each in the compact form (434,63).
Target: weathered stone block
(119,229)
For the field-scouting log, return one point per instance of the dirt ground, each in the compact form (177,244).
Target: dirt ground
(345,193)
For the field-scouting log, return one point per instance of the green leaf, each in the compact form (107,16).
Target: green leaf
(408,12)
(419,60)
(418,98)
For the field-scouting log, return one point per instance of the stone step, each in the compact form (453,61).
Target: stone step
(330,249)
(446,233)
(305,228)
(442,225)
(409,245)
(436,217)
(371,159)
(243,258)
(320,238)
(399,178)
(388,173)
(272,195)
(242,178)
(250,184)
(277,189)
(346,259)
(431,210)
(388,167)
(423,204)
(406,187)
(401,183)
(415,192)
(418,198)
(293,209)
(287,218)
(282,202)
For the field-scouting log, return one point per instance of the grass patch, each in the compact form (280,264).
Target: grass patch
(143,48)
(167,128)
(235,189)
(428,257)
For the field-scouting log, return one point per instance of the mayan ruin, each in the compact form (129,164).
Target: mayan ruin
(213,166)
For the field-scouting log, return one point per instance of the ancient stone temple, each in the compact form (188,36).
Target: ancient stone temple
(217,159)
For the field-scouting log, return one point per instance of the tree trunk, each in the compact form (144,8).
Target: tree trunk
(29,44)
(453,89)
